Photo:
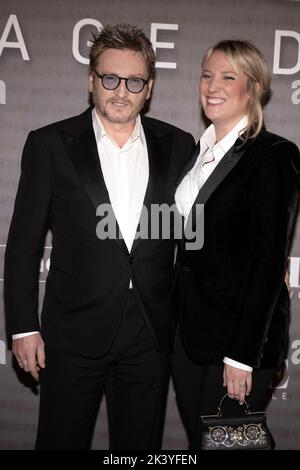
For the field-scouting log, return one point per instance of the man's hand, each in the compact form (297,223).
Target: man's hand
(29,352)
(238,382)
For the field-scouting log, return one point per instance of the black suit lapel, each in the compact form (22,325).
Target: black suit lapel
(83,152)
(189,164)
(84,155)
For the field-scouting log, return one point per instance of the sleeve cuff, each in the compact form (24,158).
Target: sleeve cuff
(238,365)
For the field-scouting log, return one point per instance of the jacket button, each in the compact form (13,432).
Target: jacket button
(131,258)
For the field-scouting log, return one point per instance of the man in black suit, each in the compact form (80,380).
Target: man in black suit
(108,299)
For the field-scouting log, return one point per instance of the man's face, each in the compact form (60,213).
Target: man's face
(119,106)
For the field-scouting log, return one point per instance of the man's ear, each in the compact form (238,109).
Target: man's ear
(91,83)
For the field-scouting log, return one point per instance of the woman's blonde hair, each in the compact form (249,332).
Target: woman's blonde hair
(244,56)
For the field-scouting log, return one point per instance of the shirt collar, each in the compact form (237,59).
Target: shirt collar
(100,131)
(208,139)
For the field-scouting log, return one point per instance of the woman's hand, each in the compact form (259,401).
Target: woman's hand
(238,382)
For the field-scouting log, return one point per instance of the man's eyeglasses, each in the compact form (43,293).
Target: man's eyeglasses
(111,82)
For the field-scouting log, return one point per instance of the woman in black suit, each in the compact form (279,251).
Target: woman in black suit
(233,326)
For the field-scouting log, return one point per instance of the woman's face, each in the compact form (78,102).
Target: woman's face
(224,93)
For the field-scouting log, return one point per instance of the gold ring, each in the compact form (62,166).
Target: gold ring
(242,386)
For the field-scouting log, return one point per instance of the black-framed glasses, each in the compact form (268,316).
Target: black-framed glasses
(133,84)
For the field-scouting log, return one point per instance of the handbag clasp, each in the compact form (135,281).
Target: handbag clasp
(219,407)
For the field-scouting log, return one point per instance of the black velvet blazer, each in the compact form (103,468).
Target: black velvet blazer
(234,301)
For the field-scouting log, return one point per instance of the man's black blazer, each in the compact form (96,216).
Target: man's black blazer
(61,186)
(234,299)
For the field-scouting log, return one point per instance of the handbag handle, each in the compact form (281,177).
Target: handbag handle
(247,407)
